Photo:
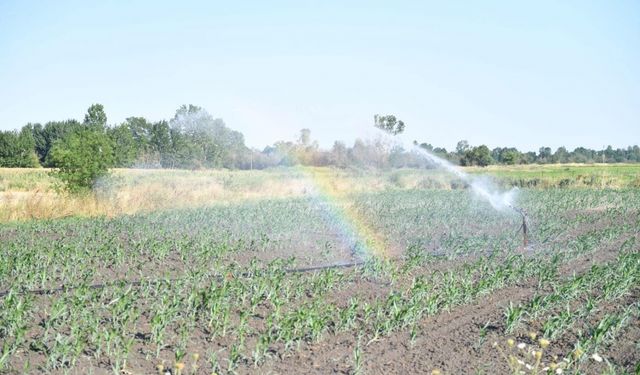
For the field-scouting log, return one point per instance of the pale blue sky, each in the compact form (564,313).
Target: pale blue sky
(502,73)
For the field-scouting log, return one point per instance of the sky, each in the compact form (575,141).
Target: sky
(500,73)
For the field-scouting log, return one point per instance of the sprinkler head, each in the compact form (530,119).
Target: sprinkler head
(523,213)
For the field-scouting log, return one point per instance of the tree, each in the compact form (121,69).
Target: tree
(160,142)
(186,152)
(46,136)
(285,152)
(440,151)
(529,157)
(339,154)
(609,154)
(306,150)
(305,137)
(634,153)
(96,117)
(426,146)
(510,157)
(141,131)
(17,149)
(506,155)
(389,123)
(125,149)
(462,147)
(81,159)
(201,140)
(544,154)
(561,155)
(480,156)
(27,147)
(582,155)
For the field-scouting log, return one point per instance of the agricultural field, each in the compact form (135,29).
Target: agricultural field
(339,272)
(565,175)
(27,194)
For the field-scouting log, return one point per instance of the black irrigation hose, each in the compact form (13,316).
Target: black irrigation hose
(93,286)
(160,281)
(64,288)
(326,267)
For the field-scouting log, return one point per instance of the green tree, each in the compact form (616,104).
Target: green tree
(141,131)
(81,159)
(634,153)
(389,123)
(52,131)
(561,155)
(200,140)
(185,152)
(544,155)
(511,157)
(462,147)
(160,143)
(125,149)
(506,155)
(306,151)
(529,157)
(339,154)
(96,117)
(480,156)
(425,145)
(17,149)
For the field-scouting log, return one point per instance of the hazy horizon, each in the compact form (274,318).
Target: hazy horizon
(496,73)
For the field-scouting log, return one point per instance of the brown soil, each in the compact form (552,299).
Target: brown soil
(449,341)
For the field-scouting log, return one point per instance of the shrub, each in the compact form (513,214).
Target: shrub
(81,159)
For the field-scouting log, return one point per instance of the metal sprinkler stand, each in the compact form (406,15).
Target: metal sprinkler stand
(523,213)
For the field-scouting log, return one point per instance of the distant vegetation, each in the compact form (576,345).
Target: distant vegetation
(194,139)
(29,193)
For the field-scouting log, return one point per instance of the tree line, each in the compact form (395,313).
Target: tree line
(467,155)
(194,139)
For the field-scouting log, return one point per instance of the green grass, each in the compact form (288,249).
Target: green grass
(565,175)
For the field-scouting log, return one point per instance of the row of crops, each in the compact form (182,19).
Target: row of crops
(215,290)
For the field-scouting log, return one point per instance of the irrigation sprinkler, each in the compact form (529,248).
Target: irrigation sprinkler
(523,213)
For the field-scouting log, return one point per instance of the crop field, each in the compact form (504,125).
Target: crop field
(30,193)
(403,280)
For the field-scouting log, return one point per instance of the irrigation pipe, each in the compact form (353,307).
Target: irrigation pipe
(64,288)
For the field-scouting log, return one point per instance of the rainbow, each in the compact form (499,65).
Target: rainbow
(355,229)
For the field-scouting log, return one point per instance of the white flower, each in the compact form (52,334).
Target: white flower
(596,357)
(558,371)
(522,345)
(528,366)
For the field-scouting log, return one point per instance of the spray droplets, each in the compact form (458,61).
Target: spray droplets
(482,186)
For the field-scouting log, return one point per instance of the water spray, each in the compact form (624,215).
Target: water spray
(499,200)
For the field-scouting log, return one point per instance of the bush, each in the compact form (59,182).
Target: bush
(81,159)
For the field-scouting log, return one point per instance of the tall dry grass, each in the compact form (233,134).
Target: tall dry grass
(31,194)
(133,191)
